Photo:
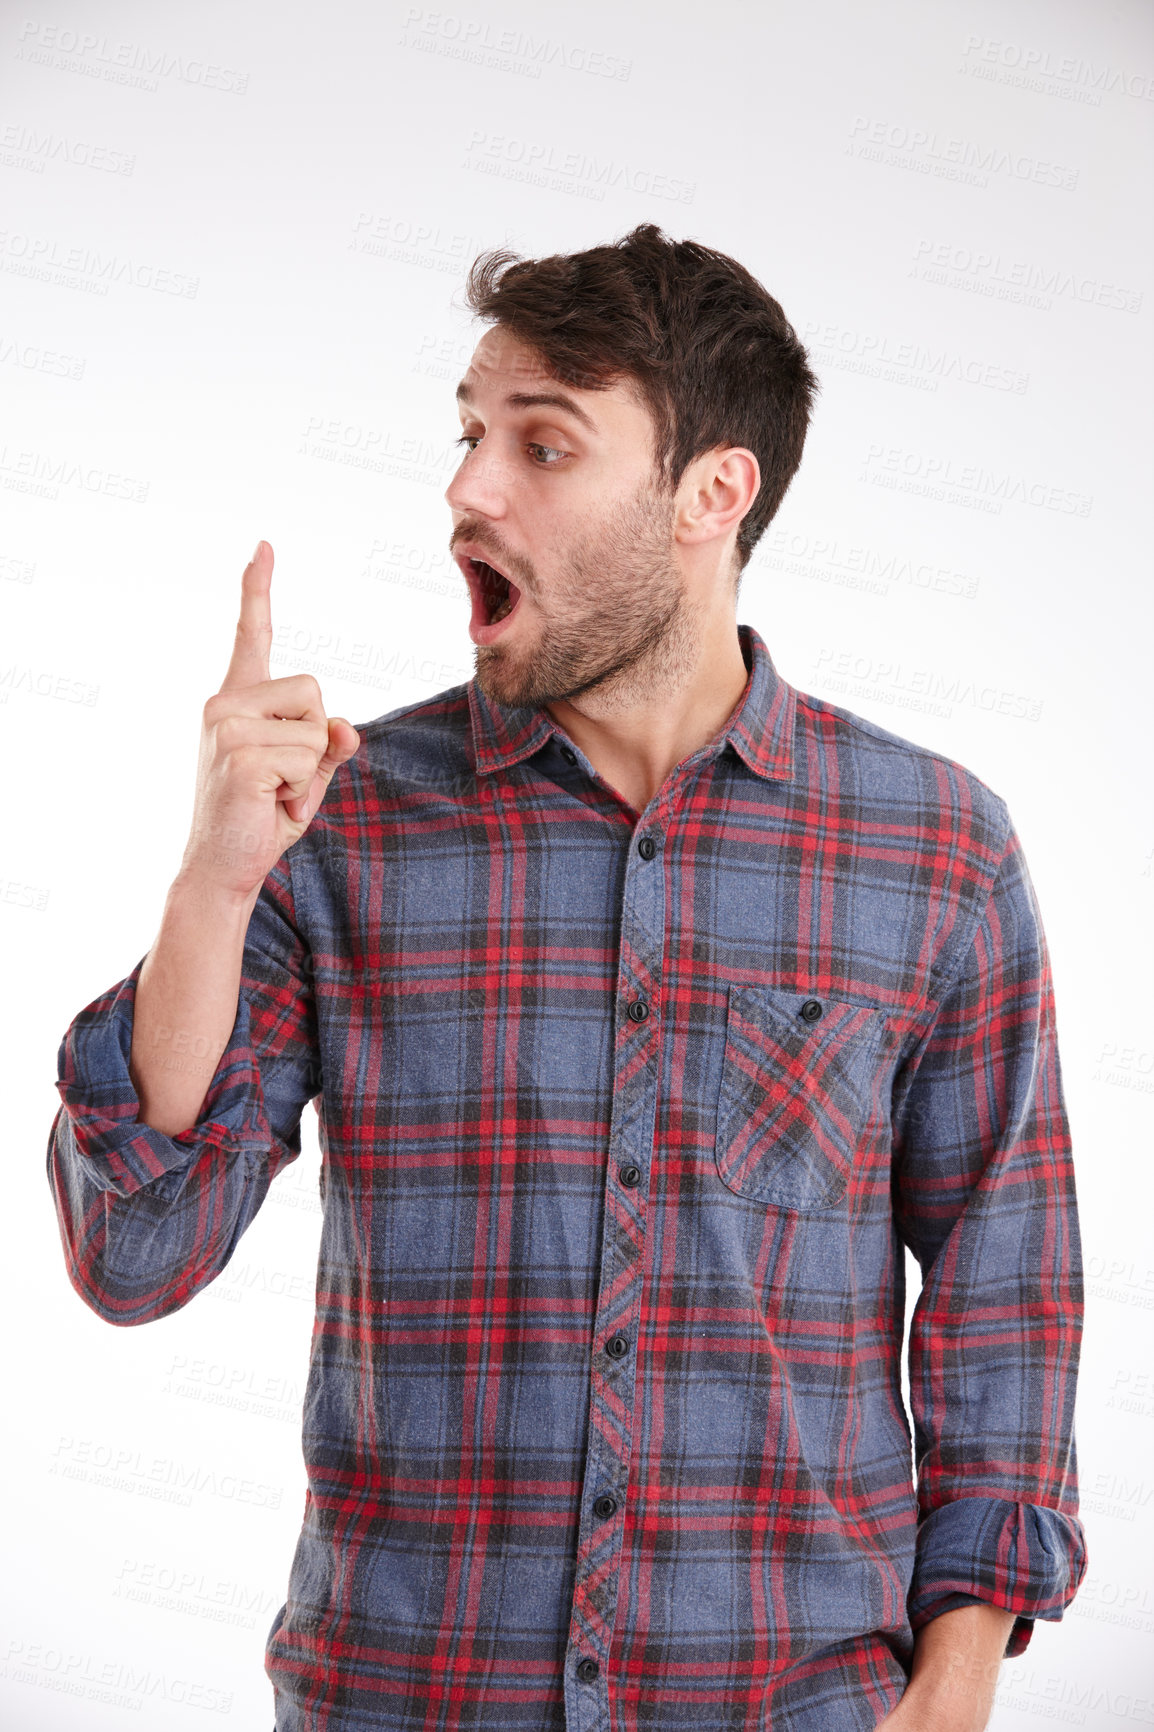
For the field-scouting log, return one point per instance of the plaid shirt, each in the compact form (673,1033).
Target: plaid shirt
(625,1123)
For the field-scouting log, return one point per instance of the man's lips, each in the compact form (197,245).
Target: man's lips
(495,597)
(477,567)
(469,552)
(478,550)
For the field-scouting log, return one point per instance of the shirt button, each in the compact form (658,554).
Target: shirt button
(570,757)
(629,1176)
(810,1010)
(604,1507)
(639,1010)
(647,847)
(587,1670)
(617,1347)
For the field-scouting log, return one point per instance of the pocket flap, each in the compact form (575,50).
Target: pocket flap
(795,1085)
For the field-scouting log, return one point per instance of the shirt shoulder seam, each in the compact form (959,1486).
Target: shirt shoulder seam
(875,731)
(952,959)
(952,969)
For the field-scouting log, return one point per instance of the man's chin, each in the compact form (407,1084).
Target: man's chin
(497,677)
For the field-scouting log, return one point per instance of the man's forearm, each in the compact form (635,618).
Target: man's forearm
(957,1657)
(186,1001)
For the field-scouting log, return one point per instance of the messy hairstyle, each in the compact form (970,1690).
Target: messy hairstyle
(707,349)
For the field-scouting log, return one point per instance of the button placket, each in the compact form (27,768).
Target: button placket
(615,1345)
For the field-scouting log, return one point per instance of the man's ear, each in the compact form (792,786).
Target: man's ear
(715,493)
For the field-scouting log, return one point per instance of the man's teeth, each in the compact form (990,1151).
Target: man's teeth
(505,607)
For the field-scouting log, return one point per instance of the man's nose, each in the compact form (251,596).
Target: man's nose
(484,483)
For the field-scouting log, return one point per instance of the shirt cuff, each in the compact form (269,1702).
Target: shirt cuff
(1023,1557)
(95,1085)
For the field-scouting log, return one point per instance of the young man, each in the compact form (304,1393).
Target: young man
(650,1007)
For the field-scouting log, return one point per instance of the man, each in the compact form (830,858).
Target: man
(651,1007)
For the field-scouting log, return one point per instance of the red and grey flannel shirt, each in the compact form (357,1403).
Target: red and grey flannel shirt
(626,1123)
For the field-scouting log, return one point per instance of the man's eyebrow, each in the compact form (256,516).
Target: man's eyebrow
(537,399)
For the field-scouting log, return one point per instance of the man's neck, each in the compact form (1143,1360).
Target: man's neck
(634,747)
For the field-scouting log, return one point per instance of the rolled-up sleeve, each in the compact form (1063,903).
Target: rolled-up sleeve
(147,1220)
(984,1197)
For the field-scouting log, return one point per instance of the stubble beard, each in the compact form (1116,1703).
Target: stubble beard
(618,628)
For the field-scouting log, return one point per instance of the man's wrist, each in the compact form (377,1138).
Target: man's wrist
(957,1659)
(208,897)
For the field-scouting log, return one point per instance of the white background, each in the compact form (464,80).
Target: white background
(232,244)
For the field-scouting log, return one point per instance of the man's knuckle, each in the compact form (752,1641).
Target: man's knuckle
(238,758)
(230,730)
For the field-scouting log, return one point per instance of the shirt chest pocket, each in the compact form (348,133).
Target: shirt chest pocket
(795,1089)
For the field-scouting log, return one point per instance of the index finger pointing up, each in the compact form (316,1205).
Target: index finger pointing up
(249,664)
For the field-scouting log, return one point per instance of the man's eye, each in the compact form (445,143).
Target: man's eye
(472,439)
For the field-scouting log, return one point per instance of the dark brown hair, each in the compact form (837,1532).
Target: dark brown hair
(709,351)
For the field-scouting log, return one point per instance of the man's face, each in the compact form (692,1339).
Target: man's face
(561,498)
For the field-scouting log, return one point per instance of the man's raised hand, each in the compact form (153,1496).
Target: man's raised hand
(267,754)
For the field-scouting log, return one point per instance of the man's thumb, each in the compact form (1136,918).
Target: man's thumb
(343,742)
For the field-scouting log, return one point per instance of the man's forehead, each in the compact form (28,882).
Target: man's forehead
(500,355)
(506,367)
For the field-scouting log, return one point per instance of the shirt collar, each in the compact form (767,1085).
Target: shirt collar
(760,730)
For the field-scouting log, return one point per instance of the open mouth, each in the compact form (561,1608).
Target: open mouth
(499,596)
